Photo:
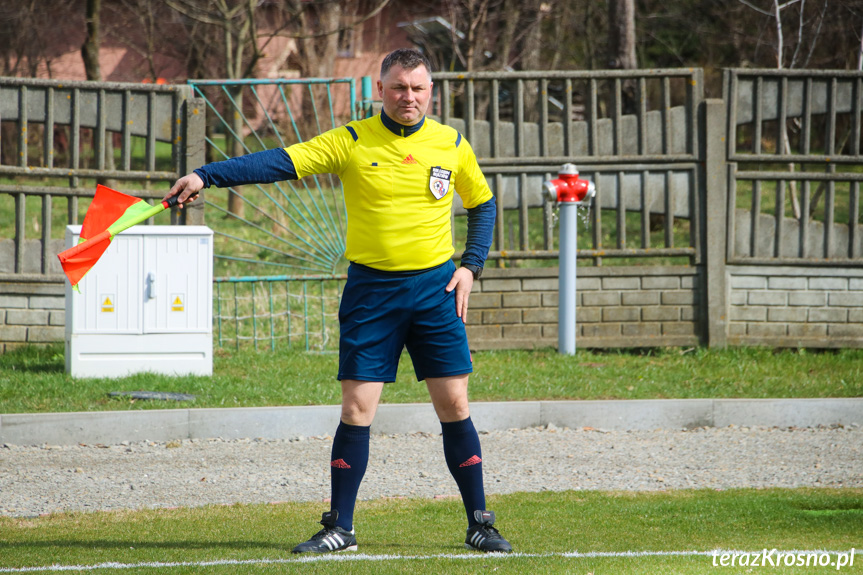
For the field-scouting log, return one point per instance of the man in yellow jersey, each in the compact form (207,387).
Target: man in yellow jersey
(399,170)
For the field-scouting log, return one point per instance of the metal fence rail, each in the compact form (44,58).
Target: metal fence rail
(794,149)
(58,138)
(635,133)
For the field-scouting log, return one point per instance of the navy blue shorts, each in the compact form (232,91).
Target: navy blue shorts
(383,312)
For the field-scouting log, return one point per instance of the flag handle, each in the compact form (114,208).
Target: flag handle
(117,228)
(143,216)
(174,200)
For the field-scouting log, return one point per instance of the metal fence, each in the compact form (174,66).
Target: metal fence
(790,154)
(794,151)
(277,312)
(634,133)
(285,227)
(265,231)
(58,138)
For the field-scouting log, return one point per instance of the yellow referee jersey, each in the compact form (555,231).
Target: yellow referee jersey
(398,190)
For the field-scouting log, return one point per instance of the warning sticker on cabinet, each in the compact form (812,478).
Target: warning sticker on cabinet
(107,303)
(177,302)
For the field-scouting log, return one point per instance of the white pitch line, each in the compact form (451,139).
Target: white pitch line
(363,557)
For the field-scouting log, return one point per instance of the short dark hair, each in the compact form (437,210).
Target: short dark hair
(407,58)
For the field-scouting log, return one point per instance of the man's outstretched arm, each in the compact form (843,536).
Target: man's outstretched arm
(259,168)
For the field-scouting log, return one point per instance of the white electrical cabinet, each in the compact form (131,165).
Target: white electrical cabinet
(146,306)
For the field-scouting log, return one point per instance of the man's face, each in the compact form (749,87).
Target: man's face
(406,94)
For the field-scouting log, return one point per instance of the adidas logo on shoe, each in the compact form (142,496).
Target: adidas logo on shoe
(329,539)
(483,537)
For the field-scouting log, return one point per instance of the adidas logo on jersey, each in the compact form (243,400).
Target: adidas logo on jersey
(409,160)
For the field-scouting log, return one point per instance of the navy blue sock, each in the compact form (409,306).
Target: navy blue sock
(350,457)
(464,458)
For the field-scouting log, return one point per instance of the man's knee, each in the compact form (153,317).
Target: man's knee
(450,411)
(449,396)
(354,413)
(360,401)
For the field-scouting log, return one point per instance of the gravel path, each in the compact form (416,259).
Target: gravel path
(36,480)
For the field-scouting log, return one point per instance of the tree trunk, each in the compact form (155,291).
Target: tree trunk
(532,45)
(90,55)
(92,42)
(318,55)
(236,205)
(621,47)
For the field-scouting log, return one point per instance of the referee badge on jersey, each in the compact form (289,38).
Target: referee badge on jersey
(439,181)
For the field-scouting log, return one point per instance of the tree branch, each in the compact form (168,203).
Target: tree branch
(817,33)
(368,16)
(779,39)
(799,36)
(756,8)
(860,53)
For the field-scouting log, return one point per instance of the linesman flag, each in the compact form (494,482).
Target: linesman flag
(109,214)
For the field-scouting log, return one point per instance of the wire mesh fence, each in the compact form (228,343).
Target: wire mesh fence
(277,312)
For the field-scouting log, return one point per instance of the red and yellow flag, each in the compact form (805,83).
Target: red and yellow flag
(110,213)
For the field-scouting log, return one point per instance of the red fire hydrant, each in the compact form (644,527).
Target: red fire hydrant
(570,192)
(568,187)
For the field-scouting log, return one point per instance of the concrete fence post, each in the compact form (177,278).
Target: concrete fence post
(715,188)
(194,146)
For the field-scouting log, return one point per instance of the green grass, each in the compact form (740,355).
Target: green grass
(33,379)
(542,526)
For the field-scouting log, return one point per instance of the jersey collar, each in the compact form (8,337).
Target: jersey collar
(401,129)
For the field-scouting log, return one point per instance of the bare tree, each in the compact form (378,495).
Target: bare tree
(470,17)
(92,41)
(240,30)
(621,47)
(495,35)
(92,68)
(860,53)
(23,35)
(141,26)
(813,31)
(316,26)
(316,53)
(621,35)
(775,13)
(236,23)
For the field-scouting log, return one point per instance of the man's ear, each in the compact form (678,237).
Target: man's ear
(380,89)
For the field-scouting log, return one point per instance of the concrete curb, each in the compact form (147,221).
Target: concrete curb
(112,427)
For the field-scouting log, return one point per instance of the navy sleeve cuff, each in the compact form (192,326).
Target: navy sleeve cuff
(480,228)
(258,168)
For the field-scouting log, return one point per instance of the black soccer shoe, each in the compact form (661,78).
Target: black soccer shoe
(329,539)
(484,537)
